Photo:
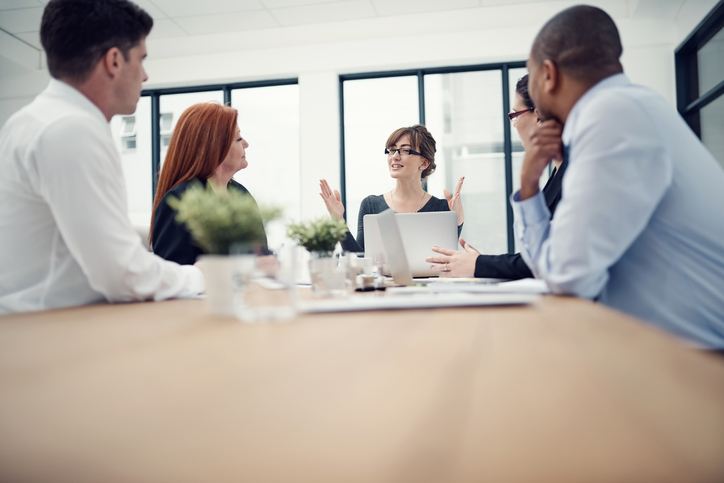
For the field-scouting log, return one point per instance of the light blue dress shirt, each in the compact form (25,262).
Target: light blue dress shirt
(640,224)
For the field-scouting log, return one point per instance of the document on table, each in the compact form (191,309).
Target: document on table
(422,298)
(524,286)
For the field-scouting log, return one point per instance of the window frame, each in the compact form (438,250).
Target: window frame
(155,95)
(504,67)
(689,101)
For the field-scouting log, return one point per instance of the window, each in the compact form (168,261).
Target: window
(464,108)
(136,160)
(173,105)
(268,118)
(373,109)
(128,133)
(269,122)
(700,81)
(166,126)
(463,112)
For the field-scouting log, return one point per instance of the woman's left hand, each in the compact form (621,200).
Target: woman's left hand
(455,264)
(455,202)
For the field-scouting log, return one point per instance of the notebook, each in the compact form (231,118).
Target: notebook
(417,233)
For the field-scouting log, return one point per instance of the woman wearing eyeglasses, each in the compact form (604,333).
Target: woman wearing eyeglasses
(508,266)
(410,159)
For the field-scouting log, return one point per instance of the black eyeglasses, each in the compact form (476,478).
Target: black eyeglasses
(402,151)
(514,114)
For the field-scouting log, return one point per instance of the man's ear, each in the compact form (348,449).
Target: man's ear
(550,76)
(112,60)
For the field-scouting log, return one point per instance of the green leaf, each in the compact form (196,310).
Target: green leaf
(217,220)
(318,235)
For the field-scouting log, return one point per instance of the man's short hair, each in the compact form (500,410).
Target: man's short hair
(582,41)
(76,34)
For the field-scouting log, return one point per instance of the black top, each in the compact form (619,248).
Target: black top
(170,239)
(512,266)
(373,205)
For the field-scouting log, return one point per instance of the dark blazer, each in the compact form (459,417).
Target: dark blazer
(170,239)
(512,266)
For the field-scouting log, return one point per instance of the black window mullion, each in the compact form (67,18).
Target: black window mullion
(155,142)
(342,170)
(421,104)
(508,153)
(689,101)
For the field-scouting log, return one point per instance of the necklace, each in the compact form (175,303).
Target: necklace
(392,197)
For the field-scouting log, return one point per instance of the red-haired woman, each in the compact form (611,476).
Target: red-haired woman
(205,146)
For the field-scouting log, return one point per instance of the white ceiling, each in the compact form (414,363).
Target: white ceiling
(188,18)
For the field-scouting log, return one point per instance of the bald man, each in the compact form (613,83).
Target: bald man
(639,226)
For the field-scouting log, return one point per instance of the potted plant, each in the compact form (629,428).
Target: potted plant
(319,237)
(223,224)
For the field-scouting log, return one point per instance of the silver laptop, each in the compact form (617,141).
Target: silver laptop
(408,238)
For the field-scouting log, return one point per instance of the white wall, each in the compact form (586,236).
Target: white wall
(317,54)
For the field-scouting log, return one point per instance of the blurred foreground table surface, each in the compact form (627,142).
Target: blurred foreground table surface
(564,390)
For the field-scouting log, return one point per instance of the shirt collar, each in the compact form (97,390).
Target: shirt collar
(615,80)
(58,88)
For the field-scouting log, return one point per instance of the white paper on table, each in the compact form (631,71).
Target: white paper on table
(526,285)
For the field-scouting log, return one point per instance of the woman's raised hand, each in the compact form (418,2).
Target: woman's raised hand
(332,199)
(455,202)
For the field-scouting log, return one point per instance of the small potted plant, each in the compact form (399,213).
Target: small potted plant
(222,224)
(319,237)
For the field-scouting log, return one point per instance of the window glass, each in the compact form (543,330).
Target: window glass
(513,76)
(373,109)
(518,151)
(464,113)
(712,127)
(269,122)
(175,104)
(132,136)
(711,63)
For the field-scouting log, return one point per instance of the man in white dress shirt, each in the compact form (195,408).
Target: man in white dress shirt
(65,236)
(639,226)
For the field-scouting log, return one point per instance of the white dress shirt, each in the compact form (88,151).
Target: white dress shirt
(640,224)
(65,236)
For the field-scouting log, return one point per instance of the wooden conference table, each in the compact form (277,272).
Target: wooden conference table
(564,390)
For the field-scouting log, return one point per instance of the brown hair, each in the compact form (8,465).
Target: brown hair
(521,88)
(76,34)
(421,141)
(199,143)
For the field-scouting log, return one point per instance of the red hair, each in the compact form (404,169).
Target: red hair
(199,143)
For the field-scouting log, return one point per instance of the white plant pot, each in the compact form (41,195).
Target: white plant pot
(219,271)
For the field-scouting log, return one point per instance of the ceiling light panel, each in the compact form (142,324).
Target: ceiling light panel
(186,8)
(15,4)
(228,22)
(31,38)
(293,3)
(23,20)
(164,28)
(403,7)
(321,13)
(150,8)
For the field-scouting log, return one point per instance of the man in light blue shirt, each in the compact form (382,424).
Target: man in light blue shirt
(640,225)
